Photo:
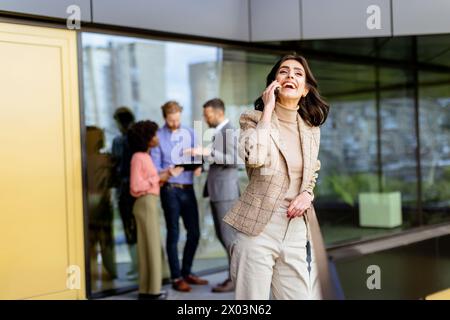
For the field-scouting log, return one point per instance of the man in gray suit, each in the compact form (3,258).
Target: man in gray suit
(222,184)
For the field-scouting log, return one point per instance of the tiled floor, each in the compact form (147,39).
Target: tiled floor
(197,293)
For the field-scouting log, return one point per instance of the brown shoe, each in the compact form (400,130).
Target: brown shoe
(181,285)
(191,279)
(226,286)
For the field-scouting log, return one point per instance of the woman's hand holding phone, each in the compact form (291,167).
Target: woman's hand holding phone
(269,99)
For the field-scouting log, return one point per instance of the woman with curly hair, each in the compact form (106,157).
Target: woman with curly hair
(144,185)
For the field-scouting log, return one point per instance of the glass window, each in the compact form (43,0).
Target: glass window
(142,75)
(435,145)
(398,140)
(434,116)
(368,184)
(348,150)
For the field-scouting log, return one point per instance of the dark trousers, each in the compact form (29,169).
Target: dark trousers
(178,202)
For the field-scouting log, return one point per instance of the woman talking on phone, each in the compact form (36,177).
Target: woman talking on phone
(279,248)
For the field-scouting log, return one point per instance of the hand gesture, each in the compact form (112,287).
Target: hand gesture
(269,98)
(299,205)
(198,172)
(175,171)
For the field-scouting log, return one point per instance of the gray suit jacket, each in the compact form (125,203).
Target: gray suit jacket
(222,183)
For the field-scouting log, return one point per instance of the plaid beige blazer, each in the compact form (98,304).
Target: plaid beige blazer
(261,147)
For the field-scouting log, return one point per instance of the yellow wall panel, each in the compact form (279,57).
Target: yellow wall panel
(41,220)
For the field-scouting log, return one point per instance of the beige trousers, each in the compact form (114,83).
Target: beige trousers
(275,262)
(146,212)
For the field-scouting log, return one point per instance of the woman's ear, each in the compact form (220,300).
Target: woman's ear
(305,92)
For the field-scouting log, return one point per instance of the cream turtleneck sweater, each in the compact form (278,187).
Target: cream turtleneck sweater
(291,147)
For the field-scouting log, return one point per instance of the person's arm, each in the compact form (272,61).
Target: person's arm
(154,179)
(255,133)
(197,156)
(316,168)
(224,148)
(137,183)
(312,183)
(156,154)
(253,140)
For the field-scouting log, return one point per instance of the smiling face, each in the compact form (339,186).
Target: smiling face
(292,78)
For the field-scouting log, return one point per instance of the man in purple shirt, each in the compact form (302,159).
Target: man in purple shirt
(177,195)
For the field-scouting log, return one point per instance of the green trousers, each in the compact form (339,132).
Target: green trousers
(146,212)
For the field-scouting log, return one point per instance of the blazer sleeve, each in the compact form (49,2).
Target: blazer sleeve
(315,173)
(314,176)
(253,139)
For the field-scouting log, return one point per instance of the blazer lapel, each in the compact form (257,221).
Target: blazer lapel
(275,134)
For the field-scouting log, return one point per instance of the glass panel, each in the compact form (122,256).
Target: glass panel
(364,47)
(398,48)
(434,49)
(142,75)
(435,145)
(434,104)
(348,150)
(398,141)
(351,192)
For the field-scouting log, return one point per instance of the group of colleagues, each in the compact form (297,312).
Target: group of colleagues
(270,231)
(153,175)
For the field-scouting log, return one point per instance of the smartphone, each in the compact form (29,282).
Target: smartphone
(189,166)
(277,91)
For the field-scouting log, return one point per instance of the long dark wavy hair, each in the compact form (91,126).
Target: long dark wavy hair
(313,108)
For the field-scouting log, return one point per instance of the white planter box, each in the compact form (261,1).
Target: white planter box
(382,210)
